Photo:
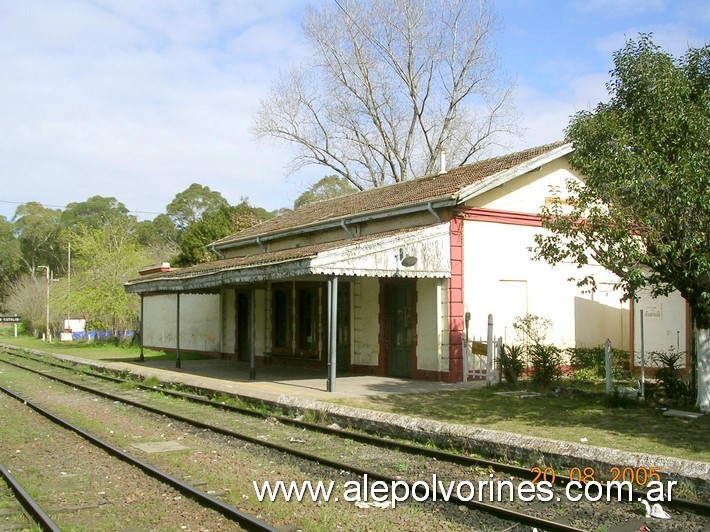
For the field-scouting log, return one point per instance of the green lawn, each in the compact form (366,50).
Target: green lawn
(569,417)
(90,350)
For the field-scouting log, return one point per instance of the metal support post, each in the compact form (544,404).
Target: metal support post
(177,334)
(643,359)
(489,350)
(142,329)
(607,365)
(332,332)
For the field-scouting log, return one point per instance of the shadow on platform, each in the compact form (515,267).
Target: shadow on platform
(233,377)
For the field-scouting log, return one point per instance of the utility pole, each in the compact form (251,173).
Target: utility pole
(46,334)
(69,278)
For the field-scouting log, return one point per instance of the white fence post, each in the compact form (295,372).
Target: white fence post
(607,365)
(489,350)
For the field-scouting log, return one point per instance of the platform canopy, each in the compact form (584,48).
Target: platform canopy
(411,253)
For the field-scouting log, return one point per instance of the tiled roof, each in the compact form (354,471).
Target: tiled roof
(413,192)
(263,259)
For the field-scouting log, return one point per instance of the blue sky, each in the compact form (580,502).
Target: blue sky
(138,99)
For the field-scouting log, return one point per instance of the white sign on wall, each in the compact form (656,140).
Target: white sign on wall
(653,312)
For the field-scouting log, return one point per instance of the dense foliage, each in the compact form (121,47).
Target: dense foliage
(83,255)
(643,211)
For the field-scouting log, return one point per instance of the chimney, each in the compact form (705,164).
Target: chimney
(442,161)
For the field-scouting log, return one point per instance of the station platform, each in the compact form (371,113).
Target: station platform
(273,382)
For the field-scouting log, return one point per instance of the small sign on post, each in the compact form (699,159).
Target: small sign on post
(11,319)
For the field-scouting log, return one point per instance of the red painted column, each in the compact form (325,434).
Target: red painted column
(456,309)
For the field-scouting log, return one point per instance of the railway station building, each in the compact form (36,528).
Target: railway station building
(388,281)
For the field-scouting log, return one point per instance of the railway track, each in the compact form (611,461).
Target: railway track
(440,456)
(33,510)
(248,522)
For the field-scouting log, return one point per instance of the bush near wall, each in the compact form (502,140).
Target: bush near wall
(592,360)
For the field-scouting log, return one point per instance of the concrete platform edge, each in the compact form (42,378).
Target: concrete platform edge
(489,443)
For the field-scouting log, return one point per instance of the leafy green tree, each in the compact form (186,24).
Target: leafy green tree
(94,212)
(643,211)
(331,186)
(190,205)
(37,229)
(159,236)
(107,257)
(10,257)
(213,226)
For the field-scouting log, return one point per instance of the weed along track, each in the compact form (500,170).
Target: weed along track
(97,475)
(265,447)
(28,513)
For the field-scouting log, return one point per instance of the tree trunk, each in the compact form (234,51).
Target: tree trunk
(701,335)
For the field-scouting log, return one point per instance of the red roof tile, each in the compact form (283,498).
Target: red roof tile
(413,192)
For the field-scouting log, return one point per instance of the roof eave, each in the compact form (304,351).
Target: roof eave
(332,223)
(496,180)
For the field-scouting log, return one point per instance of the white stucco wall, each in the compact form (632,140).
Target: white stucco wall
(664,327)
(366,324)
(429,325)
(501,278)
(527,193)
(199,322)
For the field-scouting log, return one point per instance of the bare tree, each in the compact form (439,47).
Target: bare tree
(392,84)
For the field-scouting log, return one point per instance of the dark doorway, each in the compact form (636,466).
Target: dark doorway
(343,327)
(399,327)
(243,326)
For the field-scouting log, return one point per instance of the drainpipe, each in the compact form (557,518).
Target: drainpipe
(261,244)
(430,208)
(346,228)
(214,250)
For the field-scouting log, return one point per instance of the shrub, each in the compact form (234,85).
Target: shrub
(511,363)
(545,361)
(670,375)
(592,358)
(585,375)
(531,328)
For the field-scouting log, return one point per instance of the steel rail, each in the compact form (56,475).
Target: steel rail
(246,520)
(697,507)
(501,512)
(28,503)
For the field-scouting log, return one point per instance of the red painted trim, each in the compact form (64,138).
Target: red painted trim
(480,214)
(456,307)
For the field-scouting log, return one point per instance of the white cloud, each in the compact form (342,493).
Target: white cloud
(138,100)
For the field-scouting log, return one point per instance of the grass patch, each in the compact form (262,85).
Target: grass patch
(95,350)
(567,417)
